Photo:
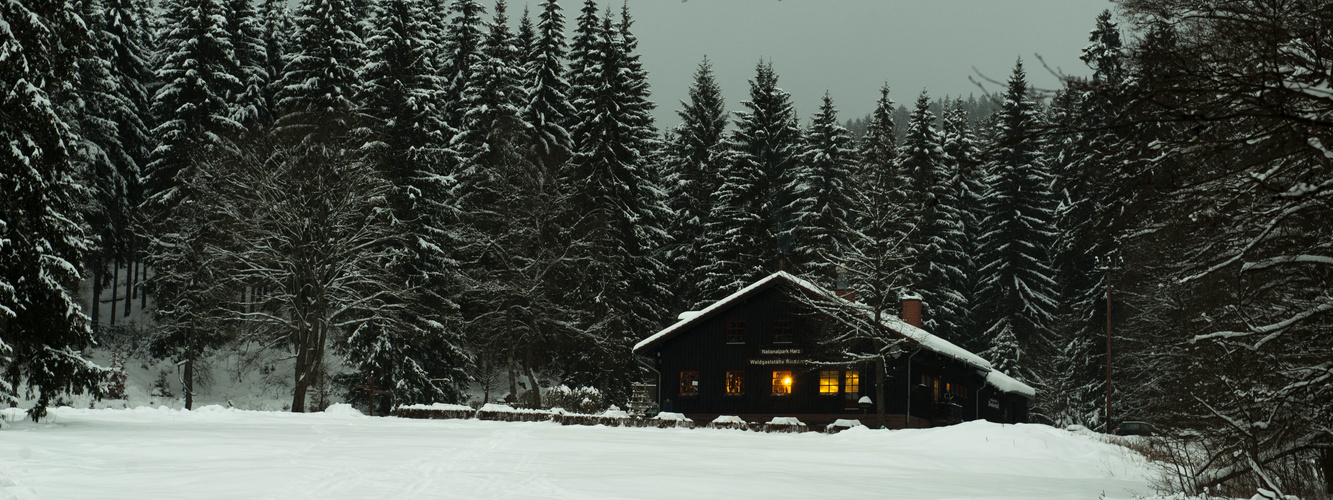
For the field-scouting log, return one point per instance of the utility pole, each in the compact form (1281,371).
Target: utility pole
(1112,263)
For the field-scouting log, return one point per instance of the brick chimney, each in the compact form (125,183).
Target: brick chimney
(912,310)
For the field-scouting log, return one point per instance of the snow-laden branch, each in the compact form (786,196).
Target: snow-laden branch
(1271,331)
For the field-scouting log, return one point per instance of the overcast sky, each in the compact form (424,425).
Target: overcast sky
(850,47)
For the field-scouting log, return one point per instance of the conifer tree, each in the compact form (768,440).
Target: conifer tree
(830,160)
(125,26)
(935,244)
(197,72)
(614,186)
(548,110)
(692,163)
(99,103)
(1083,161)
(320,84)
(1017,291)
(277,40)
(962,159)
(461,52)
(246,31)
(195,123)
(401,94)
(525,39)
(750,225)
(585,62)
(43,237)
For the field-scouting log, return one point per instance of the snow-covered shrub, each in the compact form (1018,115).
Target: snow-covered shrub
(585,400)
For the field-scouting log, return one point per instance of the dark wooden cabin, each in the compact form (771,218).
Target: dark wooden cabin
(757,354)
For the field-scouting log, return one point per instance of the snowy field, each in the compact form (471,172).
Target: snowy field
(225,453)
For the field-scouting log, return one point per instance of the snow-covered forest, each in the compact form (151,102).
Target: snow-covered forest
(449,200)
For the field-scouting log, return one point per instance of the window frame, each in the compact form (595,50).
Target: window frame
(836,383)
(785,325)
(727,383)
(693,375)
(848,377)
(790,388)
(733,331)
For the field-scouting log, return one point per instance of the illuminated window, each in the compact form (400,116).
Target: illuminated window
(689,383)
(853,383)
(735,331)
(782,331)
(828,382)
(736,383)
(782,383)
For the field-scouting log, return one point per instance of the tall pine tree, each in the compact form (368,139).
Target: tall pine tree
(830,161)
(1017,291)
(693,162)
(320,84)
(43,238)
(750,228)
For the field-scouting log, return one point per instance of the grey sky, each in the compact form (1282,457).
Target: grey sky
(851,47)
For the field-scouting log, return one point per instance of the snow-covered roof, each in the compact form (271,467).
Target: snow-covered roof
(1008,384)
(923,338)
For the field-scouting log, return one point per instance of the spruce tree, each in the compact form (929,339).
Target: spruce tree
(936,242)
(614,187)
(461,52)
(1083,161)
(196,123)
(692,163)
(43,238)
(962,159)
(548,110)
(319,88)
(246,31)
(277,39)
(585,62)
(830,162)
(197,71)
(125,26)
(400,92)
(419,353)
(1017,291)
(750,225)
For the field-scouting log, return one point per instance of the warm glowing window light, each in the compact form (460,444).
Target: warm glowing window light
(853,382)
(828,381)
(782,383)
(735,383)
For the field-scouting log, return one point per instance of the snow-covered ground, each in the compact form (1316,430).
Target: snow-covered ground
(215,452)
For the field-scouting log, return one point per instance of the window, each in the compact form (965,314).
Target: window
(782,383)
(735,331)
(735,383)
(782,331)
(689,383)
(853,383)
(828,382)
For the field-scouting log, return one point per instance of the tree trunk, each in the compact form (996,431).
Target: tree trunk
(880,403)
(536,389)
(97,293)
(129,282)
(143,292)
(188,384)
(513,377)
(115,290)
(302,376)
(1326,463)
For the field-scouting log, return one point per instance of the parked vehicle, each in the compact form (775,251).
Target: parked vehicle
(1134,428)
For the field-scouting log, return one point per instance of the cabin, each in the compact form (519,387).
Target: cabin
(764,352)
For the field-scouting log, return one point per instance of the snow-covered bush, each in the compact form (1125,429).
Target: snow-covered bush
(585,400)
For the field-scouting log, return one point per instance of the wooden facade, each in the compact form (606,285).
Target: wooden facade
(755,355)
